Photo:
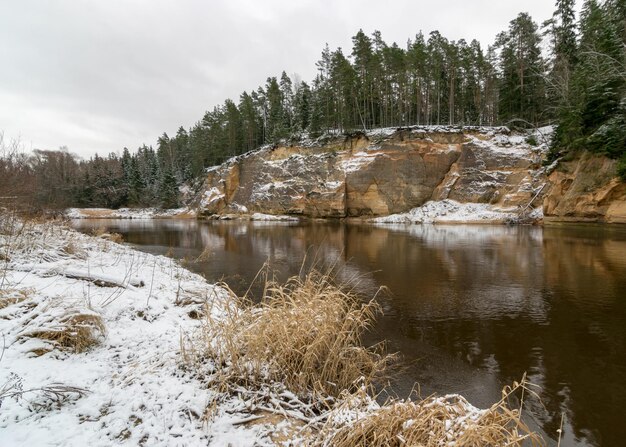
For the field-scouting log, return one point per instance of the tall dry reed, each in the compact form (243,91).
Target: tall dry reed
(305,334)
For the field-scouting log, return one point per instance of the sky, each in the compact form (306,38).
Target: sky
(97,76)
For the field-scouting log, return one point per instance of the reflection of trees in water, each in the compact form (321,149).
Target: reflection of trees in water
(511,301)
(585,347)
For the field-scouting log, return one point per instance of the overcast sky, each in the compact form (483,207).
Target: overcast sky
(100,75)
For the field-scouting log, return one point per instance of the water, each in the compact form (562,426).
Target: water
(471,308)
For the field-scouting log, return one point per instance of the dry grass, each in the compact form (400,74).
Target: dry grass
(432,422)
(99,231)
(9,297)
(113,237)
(74,329)
(305,334)
(73,249)
(204,256)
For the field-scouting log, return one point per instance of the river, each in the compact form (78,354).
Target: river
(470,308)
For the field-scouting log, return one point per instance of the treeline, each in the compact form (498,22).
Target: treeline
(567,72)
(59,179)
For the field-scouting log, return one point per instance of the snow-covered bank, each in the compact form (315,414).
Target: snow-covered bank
(129,213)
(450,211)
(135,392)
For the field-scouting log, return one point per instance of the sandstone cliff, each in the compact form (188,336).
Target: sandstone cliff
(380,173)
(585,189)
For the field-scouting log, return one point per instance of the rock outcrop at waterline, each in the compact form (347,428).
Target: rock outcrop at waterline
(585,189)
(380,173)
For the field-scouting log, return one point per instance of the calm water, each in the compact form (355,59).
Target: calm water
(471,308)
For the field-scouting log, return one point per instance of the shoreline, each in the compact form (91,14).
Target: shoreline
(186,213)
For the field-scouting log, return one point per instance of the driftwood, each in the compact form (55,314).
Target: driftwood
(102,281)
(98,280)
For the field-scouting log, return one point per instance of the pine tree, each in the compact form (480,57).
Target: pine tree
(251,122)
(522,86)
(275,114)
(287,95)
(137,185)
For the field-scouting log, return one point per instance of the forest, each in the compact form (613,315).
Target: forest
(566,72)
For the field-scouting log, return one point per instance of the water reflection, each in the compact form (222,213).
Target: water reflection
(471,308)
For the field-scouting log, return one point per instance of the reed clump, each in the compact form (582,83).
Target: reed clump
(305,334)
(432,422)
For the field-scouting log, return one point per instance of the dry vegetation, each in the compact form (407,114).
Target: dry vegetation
(77,330)
(61,325)
(431,422)
(306,336)
(9,297)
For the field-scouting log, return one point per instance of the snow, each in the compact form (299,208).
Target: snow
(273,218)
(136,391)
(450,211)
(211,196)
(357,162)
(128,213)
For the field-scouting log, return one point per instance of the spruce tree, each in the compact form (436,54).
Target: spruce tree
(168,190)
(302,107)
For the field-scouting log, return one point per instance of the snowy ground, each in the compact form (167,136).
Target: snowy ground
(450,211)
(136,391)
(128,213)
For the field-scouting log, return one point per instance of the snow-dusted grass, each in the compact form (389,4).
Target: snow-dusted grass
(433,422)
(127,386)
(92,333)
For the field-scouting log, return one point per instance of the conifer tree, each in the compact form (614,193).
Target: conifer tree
(168,190)
(522,88)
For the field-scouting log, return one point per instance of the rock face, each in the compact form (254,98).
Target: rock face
(586,189)
(379,173)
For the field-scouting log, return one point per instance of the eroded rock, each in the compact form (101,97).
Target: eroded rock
(379,173)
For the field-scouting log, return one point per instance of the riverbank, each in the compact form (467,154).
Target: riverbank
(444,212)
(93,332)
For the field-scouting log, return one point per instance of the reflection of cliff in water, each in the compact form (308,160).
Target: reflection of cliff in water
(472,307)
(585,345)
(550,302)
